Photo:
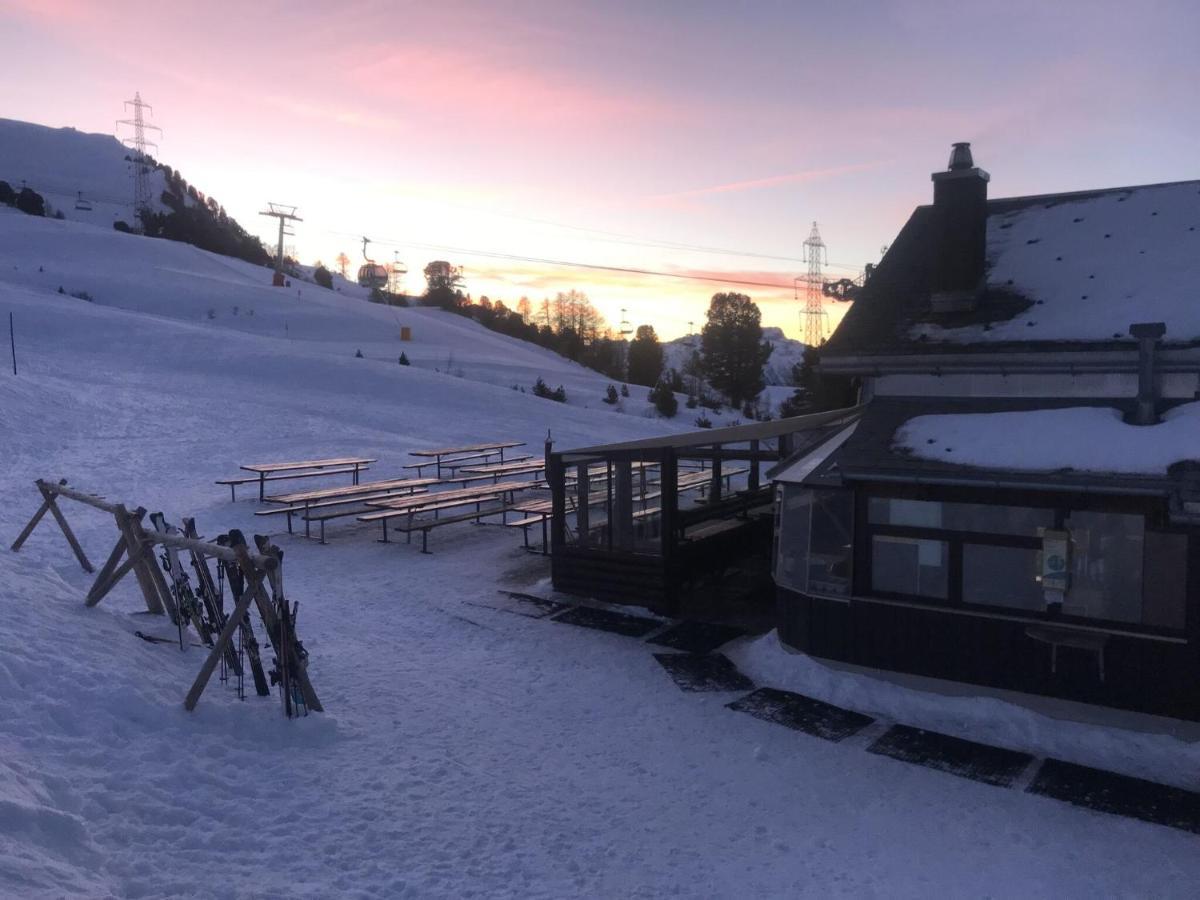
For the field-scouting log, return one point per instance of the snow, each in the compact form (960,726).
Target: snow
(465,751)
(1148,748)
(1094,266)
(59,163)
(785,354)
(1090,439)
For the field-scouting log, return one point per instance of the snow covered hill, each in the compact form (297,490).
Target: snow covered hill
(785,353)
(63,164)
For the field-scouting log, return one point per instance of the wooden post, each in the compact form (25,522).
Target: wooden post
(753,477)
(37,517)
(150,566)
(621,510)
(669,499)
(143,568)
(556,476)
(714,489)
(583,487)
(111,573)
(49,493)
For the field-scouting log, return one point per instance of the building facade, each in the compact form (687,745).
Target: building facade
(1017,503)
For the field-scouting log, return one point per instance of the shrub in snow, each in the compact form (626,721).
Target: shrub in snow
(122,227)
(703,422)
(541,389)
(691,401)
(323,277)
(624,390)
(31,202)
(212,313)
(7,195)
(358,354)
(663,399)
(404,359)
(610,395)
(82,295)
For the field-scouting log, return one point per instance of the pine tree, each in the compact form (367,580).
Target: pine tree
(734,351)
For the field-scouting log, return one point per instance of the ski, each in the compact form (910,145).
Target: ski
(247,642)
(290,656)
(213,600)
(190,609)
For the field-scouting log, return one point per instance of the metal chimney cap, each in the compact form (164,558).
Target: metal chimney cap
(960,156)
(1152,330)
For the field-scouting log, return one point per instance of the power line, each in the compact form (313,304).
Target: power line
(572,264)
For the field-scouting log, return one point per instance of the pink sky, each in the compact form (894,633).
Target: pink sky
(515,127)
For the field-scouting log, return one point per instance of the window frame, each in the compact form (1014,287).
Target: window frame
(1061,505)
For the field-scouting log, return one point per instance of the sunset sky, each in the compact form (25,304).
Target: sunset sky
(628,134)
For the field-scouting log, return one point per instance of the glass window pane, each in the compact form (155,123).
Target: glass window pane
(896,511)
(988,519)
(909,566)
(1106,567)
(1002,576)
(980,517)
(1164,582)
(791,560)
(831,540)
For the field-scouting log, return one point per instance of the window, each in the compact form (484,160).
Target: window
(1106,566)
(1002,576)
(915,566)
(976,554)
(814,540)
(980,518)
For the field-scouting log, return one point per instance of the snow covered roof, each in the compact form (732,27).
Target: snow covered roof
(1074,268)
(1091,439)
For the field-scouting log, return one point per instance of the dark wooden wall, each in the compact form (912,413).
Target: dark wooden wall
(1140,674)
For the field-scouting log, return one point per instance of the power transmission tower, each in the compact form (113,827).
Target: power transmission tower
(284,214)
(141,164)
(625,328)
(814,308)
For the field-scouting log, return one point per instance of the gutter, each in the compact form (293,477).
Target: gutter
(1009,483)
(1067,362)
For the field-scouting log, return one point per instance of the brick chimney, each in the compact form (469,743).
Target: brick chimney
(959,232)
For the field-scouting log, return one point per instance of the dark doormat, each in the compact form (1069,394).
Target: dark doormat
(697,637)
(802,713)
(703,672)
(607,620)
(1121,795)
(967,759)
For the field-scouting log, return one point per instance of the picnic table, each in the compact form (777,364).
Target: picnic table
(326,501)
(439,454)
(408,508)
(310,468)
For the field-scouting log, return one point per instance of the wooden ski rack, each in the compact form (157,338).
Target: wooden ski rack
(134,552)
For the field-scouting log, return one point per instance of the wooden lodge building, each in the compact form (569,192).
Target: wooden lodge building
(1015,500)
(1017,505)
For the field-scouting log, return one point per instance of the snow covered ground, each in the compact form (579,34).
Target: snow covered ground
(465,751)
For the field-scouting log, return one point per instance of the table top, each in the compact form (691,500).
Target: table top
(485,492)
(351,490)
(266,468)
(473,448)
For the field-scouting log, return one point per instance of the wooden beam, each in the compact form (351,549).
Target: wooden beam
(138,563)
(218,650)
(109,573)
(37,517)
(149,565)
(753,477)
(49,491)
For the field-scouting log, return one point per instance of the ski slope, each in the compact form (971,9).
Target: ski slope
(465,751)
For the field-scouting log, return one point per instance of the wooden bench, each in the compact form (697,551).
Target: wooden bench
(409,508)
(412,523)
(305,510)
(282,476)
(449,463)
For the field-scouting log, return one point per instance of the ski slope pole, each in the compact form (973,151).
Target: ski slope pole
(12,342)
